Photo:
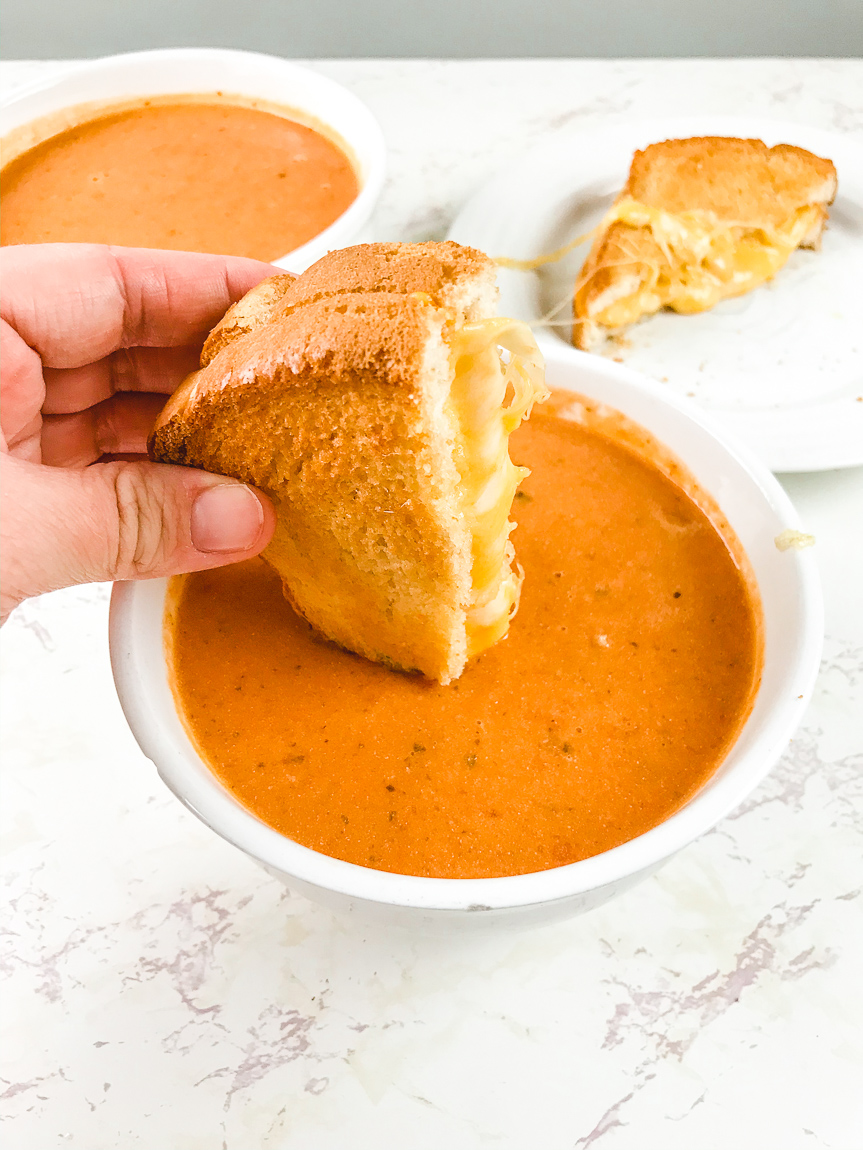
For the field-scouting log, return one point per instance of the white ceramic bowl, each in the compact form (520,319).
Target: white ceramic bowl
(199,70)
(757,509)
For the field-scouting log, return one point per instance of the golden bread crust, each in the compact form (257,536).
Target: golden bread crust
(742,181)
(439,271)
(430,268)
(257,307)
(374,337)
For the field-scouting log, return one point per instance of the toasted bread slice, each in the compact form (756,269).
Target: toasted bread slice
(699,221)
(370,400)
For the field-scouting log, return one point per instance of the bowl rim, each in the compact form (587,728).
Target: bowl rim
(218,809)
(371,180)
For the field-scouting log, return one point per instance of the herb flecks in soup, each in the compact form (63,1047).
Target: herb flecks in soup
(186,175)
(623,682)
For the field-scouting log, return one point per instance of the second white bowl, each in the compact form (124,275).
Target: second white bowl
(177,71)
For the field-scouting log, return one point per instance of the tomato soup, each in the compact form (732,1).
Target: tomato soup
(182,173)
(624,680)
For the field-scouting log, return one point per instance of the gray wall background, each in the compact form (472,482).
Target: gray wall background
(457,29)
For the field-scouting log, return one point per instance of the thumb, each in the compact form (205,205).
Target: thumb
(121,521)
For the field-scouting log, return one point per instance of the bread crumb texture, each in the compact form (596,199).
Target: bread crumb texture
(791,540)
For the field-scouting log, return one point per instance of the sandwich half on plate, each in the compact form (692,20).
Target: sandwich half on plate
(699,221)
(372,399)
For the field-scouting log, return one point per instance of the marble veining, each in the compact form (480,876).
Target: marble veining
(160,990)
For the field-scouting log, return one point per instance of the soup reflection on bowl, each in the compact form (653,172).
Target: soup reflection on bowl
(664,656)
(195,150)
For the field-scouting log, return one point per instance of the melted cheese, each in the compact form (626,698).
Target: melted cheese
(704,260)
(484,420)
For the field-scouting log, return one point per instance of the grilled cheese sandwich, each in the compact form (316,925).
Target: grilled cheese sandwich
(699,221)
(373,399)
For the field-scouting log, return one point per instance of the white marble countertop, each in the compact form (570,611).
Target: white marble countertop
(162,992)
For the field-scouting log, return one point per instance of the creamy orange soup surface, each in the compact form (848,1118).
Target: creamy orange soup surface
(626,675)
(181,173)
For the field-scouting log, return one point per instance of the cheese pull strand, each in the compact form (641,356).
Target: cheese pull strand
(548,258)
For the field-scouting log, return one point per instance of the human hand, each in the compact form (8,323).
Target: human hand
(93,339)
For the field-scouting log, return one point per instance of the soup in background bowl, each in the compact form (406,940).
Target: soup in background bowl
(191,149)
(755,509)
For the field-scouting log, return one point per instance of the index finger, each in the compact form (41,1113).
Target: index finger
(75,303)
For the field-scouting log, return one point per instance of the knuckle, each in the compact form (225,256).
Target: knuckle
(143,533)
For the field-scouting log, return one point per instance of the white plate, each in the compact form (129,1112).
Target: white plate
(780,368)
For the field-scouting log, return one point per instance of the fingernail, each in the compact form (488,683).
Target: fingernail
(228,517)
